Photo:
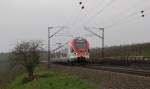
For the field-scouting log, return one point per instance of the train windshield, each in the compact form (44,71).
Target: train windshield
(80,46)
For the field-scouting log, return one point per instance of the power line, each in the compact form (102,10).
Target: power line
(81,4)
(56,32)
(133,6)
(130,15)
(122,12)
(73,22)
(100,11)
(91,10)
(60,46)
(118,15)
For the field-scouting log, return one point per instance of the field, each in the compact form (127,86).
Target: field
(50,79)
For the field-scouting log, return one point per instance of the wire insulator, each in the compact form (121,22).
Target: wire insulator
(82,7)
(142,11)
(143,16)
(80,3)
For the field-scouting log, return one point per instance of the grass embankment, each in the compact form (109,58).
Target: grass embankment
(50,79)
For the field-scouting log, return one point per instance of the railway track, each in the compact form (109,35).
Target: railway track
(120,69)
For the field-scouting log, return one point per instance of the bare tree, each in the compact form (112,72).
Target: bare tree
(27,54)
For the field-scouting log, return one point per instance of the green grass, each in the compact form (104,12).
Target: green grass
(51,79)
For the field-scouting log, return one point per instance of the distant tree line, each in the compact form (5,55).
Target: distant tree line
(122,50)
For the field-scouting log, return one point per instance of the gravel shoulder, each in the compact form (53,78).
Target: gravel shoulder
(106,79)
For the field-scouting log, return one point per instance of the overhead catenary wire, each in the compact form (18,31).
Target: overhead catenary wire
(128,16)
(60,46)
(133,6)
(79,13)
(57,32)
(90,19)
(111,19)
(125,17)
(86,14)
(72,23)
(107,5)
(93,9)
(68,22)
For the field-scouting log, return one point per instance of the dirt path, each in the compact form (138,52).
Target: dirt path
(108,80)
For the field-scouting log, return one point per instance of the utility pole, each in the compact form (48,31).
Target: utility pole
(49,48)
(49,42)
(103,55)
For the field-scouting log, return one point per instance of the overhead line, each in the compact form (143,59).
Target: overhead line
(100,11)
(60,46)
(80,14)
(87,29)
(92,9)
(121,12)
(126,18)
(56,32)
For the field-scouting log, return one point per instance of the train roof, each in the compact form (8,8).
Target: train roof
(79,38)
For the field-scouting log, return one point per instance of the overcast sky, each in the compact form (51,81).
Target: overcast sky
(29,20)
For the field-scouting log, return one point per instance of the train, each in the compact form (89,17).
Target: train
(75,51)
(78,50)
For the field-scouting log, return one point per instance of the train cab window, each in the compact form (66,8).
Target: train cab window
(81,46)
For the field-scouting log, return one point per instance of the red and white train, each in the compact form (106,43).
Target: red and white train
(76,50)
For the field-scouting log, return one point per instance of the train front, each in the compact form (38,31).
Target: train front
(79,50)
